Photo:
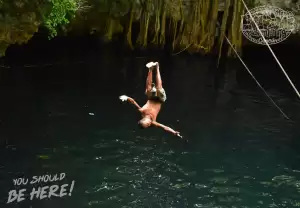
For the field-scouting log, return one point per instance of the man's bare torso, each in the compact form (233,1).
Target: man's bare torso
(151,108)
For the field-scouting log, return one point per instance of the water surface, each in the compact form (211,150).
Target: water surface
(67,118)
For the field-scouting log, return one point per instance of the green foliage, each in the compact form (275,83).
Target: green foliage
(61,13)
(21,19)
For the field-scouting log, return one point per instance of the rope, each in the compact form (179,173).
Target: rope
(256,80)
(271,50)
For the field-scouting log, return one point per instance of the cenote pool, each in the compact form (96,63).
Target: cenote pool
(67,118)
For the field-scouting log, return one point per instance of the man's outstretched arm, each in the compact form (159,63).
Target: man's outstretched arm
(166,128)
(132,101)
(129,99)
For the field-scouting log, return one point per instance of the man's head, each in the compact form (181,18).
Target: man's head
(145,122)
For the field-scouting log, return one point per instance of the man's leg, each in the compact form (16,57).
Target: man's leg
(158,78)
(149,81)
(161,92)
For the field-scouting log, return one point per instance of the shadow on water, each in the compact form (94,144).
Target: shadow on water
(66,117)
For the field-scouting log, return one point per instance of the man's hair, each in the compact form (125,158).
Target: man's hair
(141,122)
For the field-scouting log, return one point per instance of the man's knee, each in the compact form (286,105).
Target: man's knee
(162,95)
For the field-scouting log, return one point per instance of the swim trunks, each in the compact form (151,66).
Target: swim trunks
(157,94)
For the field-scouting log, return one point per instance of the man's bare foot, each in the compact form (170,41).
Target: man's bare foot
(150,65)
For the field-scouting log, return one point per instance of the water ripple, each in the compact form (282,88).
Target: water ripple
(105,186)
(102,145)
(144,173)
(224,190)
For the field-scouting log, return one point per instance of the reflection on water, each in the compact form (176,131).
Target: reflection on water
(242,152)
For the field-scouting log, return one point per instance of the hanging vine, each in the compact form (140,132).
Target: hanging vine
(192,24)
(158,8)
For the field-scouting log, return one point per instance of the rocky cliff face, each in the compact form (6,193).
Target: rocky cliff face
(191,24)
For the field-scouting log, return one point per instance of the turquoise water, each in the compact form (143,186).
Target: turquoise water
(67,119)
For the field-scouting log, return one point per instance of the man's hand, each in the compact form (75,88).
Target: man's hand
(129,99)
(178,134)
(123,98)
(166,128)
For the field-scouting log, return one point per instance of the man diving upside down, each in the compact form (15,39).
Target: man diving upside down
(156,96)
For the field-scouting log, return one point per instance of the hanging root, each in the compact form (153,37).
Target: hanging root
(109,28)
(232,31)
(181,28)
(162,37)
(197,33)
(238,27)
(147,19)
(182,50)
(223,28)
(163,27)
(175,32)
(157,21)
(144,25)
(195,23)
(129,35)
(213,23)
(142,30)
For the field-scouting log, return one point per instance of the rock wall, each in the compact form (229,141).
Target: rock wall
(192,24)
